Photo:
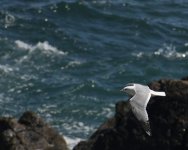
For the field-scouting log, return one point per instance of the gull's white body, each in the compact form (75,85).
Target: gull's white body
(141,95)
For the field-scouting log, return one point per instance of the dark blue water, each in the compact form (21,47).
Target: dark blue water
(68,59)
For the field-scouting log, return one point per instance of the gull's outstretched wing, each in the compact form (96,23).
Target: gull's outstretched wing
(138,103)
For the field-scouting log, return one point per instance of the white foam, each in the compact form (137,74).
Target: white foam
(186,44)
(107,112)
(27,77)
(7,68)
(77,127)
(23,45)
(71,142)
(72,64)
(44,47)
(167,51)
(170,53)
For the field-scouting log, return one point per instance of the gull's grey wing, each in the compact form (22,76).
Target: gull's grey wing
(141,114)
(138,103)
(139,111)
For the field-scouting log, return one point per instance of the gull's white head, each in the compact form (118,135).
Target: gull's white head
(129,89)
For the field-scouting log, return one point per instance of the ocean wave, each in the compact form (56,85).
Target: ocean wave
(87,8)
(44,47)
(167,51)
(77,127)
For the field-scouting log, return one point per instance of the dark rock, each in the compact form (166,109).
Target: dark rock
(168,119)
(30,132)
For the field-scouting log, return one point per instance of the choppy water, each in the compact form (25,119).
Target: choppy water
(68,59)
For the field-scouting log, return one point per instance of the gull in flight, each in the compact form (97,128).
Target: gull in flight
(140,96)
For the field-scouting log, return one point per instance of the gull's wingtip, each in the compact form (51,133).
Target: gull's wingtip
(148,133)
(146,127)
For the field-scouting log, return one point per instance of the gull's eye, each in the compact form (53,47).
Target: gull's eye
(130,84)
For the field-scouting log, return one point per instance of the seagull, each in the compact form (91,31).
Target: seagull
(140,96)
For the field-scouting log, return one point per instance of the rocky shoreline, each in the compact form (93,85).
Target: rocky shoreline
(168,118)
(30,132)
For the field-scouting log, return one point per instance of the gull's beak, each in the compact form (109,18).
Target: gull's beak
(122,90)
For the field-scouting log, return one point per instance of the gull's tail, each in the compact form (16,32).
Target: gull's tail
(154,93)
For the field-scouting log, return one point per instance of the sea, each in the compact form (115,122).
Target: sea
(67,60)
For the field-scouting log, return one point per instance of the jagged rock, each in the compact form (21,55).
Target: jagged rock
(168,119)
(30,132)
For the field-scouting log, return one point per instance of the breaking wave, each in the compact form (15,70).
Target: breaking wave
(45,47)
